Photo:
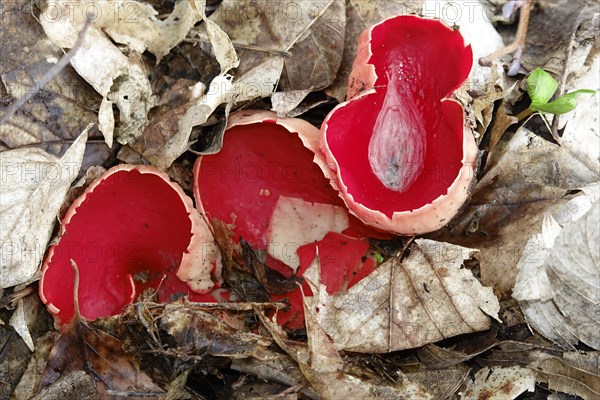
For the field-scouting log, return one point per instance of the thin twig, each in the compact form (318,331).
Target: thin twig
(518,43)
(563,80)
(52,72)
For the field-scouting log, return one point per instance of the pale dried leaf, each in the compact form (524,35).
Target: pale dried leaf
(402,305)
(75,386)
(483,104)
(221,44)
(500,383)
(324,357)
(581,136)
(532,281)
(133,23)
(29,382)
(442,384)
(136,24)
(285,102)
(220,91)
(19,321)
(502,122)
(562,27)
(276,367)
(439,357)
(259,81)
(525,178)
(575,373)
(98,61)
(558,286)
(106,121)
(36,184)
(574,273)
(264,30)
(322,366)
(61,108)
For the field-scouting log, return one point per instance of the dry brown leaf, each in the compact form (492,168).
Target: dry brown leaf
(121,79)
(525,178)
(29,382)
(287,34)
(74,386)
(136,24)
(502,122)
(221,43)
(575,373)
(34,185)
(60,109)
(500,383)
(285,102)
(101,356)
(23,317)
(276,367)
(483,105)
(177,138)
(553,28)
(442,384)
(206,334)
(402,305)
(436,357)
(322,366)
(532,280)
(116,77)
(581,136)
(510,353)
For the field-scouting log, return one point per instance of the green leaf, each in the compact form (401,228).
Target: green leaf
(563,104)
(378,257)
(540,86)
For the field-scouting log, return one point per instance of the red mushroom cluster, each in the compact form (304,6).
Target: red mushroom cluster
(396,157)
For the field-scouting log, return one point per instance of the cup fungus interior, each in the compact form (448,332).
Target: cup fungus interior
(258,164)
(418,63)
(128,233)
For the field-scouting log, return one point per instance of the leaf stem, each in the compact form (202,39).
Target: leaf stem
(524,114)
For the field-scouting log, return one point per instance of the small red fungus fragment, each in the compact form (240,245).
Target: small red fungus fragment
(343,263)
(132,229)
(265,171)
(399,150)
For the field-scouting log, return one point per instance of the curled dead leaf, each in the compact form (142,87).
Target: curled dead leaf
(406,304)
(34,186)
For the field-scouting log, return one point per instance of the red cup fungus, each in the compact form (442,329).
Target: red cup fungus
(132,229)
(266,183)
(399,150)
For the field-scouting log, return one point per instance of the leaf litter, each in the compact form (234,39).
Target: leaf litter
(165,82)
